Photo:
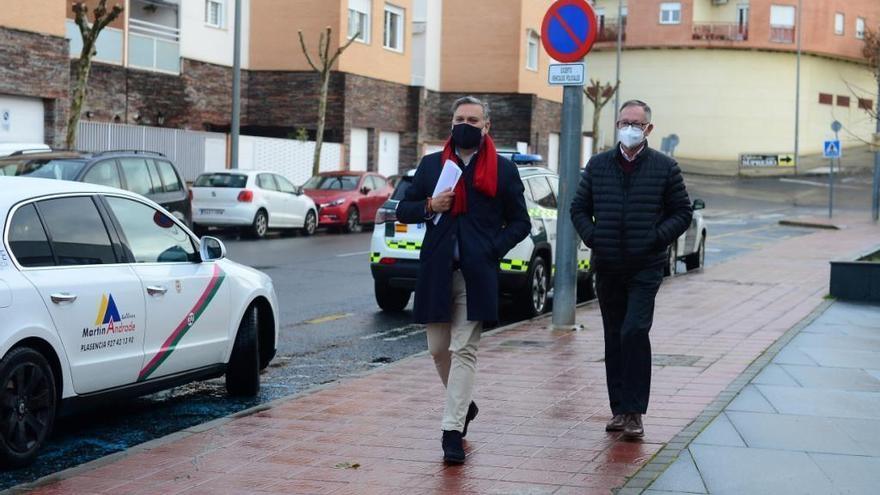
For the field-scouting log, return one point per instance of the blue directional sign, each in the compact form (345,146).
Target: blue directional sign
(832,149)
(569,30)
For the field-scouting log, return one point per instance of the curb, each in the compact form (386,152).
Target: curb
(663,459)
(808,224)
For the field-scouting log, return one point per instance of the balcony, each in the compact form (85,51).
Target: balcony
(608,31)
(720,31)
(782,34)
(153,46)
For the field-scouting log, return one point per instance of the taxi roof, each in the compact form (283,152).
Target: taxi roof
(16,189)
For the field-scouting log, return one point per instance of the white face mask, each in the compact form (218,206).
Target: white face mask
(631,136)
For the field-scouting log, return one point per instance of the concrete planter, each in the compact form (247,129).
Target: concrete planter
(857,280)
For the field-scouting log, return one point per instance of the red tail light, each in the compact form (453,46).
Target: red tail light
(189,194)
(246,196)
(387,261)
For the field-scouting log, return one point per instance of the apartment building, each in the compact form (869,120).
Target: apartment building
(721,74)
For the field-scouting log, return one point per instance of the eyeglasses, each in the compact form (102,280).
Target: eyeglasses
(641,125)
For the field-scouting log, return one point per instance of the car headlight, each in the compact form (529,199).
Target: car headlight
(333,203)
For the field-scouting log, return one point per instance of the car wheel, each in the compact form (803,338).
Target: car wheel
(243,370)
(391,299)
(27,405)
(310,224)
(533,298)
(261,225)
(586,288)
(671,267)
(695,261)
(353,221)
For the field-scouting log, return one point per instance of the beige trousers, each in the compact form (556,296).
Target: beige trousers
(454,349)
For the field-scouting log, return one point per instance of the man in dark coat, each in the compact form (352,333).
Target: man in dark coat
(631,204)
(469,228)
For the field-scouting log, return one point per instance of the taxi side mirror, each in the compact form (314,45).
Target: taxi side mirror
(699,204)
(211,249)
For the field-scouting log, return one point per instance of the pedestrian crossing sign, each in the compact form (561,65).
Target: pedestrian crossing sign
(832,149)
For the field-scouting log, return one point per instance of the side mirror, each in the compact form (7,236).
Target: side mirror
(297,190)
(365,190)
(699,204)
(211,249)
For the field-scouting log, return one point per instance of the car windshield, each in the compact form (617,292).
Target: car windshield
(333,182)
(237,181)
(401,188)
(44,168)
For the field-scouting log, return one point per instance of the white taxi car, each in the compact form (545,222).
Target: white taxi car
(254,200)
(104,294)
(525,272)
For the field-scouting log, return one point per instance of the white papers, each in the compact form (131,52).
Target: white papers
(448,178)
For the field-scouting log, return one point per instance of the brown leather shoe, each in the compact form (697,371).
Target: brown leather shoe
(633,427)
(617,423)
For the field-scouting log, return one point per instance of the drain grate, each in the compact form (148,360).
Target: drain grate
(673,360)
(525,343)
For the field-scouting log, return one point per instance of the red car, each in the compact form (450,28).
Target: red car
(347,199)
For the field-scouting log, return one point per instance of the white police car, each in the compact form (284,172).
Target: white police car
(690,247)
(525,272)
(103,294)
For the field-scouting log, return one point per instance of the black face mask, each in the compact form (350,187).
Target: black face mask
(466,136)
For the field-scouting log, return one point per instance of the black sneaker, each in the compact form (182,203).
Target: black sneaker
(453,449)
(473,410)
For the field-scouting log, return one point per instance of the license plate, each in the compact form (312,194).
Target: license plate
(211,211)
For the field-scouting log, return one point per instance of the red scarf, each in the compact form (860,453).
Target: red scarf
(485,175)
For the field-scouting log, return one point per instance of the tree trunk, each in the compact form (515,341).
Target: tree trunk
(83,67)
(597,114)
(322,117)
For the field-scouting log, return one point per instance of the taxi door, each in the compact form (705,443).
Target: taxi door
(94,300)
(187,303)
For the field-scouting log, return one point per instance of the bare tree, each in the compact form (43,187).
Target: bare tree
(599,95)
(871,51)
(101,17)
(327,62)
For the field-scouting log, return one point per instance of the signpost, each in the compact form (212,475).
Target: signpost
(568,33)
(832,151)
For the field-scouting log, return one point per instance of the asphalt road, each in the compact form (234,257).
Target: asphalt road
(331,327)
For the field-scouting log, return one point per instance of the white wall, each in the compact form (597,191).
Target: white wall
(199,41)
(288,157)
(21,119)
(426,44)
(553,152)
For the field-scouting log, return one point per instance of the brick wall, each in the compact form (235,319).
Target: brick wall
(36,65)
(283,101)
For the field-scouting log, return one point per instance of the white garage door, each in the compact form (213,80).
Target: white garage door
(357,156)
(389,153)
(21,120)
(553,152)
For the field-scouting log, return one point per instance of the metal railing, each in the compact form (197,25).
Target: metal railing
(720,31)
(153,46)
(782,34)
(608,31)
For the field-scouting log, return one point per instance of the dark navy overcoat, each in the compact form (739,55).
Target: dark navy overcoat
(485,233)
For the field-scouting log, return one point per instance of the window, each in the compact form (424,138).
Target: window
(333,182)
(265,181)
(137,176)
(393,28)
(78,234)
(214,13)
(866,104)
(169,177)
(154,176)
(843,101)
(860,28)
(47,169)
(284,185)
(152,236)
(542,193)
(826,99)
(839,22)
(670,13)
(104,174)
(28,240)
(532,50)
(782,23)
(236,181)
(359,20)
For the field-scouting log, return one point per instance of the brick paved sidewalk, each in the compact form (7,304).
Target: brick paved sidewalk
(542,397)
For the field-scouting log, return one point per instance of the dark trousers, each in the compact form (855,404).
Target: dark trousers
(627,304)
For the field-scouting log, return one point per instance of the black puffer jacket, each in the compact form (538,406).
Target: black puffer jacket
(628,220)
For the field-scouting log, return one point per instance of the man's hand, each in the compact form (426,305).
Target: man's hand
(442,202)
